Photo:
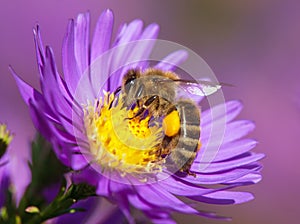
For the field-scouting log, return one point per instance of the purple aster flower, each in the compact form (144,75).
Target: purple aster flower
(5,139)
(4,185)
(5,179)
(15,168)
(87,126)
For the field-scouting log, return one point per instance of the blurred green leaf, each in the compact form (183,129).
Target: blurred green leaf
(47,175)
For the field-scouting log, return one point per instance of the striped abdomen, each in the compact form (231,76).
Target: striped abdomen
(184,153)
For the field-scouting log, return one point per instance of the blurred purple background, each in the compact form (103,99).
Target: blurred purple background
(253,44)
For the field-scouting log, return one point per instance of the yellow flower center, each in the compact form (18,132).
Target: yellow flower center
(120,143)
(5,139)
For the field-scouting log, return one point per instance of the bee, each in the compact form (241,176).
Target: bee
(155,92)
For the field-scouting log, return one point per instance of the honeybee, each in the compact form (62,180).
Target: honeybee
(155,92)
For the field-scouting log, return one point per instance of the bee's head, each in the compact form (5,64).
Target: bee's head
(130,80)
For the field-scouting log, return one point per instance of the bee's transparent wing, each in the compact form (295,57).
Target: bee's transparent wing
(194,89)
(201,88)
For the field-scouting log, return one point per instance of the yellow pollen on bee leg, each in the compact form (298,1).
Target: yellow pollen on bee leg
(199,146)
(171,123)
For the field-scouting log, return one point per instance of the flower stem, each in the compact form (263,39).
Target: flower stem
(63,202)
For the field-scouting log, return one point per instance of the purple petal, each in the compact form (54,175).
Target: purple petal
(139,203)
(81,41)
(103,187)
(47,129)
(41,115)
(142,48)
(229,150)
(41,58)
(4,183)
(150,32)
(45,125)
(126,54)
(19,173)
(120,33)
(162,220)
(238,129)
(47,67)
(220,177)
(118,187)
(89,204)
(59,99)
(84,91)
(40,121)
(129,32)
(119,55)
(182,188)
(172,60)
(233,108)
(87,175)
(52,86)
(147,207)
(40,53)
(71,71)
(231,164)
(233,131)
(99,77)
(225,197)
(160,217)
(102,34)
(78,162)
(138,52)
(123,205)
(61,135)
(251,178)
(159,197)
(27,92)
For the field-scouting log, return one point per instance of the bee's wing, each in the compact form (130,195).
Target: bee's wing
(200,88)
(195,89)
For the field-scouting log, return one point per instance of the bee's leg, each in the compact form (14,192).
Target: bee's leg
(190,173)
(137,104)
(153,100)
(117,90)
(115,93)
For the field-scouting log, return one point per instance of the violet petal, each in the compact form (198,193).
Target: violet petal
(224,197)
(102,34)
(172,60)
(81,41)
(70,68)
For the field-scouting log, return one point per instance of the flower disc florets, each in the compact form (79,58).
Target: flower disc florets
(5,139)
(119,143)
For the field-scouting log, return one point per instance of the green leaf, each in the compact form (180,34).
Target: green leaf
(46,173)
(62,204)
(8,213)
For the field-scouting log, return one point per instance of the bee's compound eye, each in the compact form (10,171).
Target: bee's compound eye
(130,79)
(171,123)
(129,83)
